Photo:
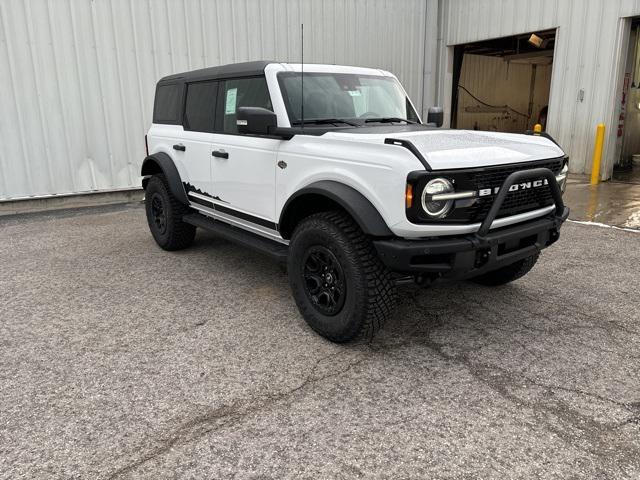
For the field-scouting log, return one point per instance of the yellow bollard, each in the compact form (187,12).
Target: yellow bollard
(597,155)
(537,129)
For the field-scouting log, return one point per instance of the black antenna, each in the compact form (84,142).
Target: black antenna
(302,78)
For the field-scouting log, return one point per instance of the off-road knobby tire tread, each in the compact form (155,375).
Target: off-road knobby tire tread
(182,233)
(381,294)
(507,274)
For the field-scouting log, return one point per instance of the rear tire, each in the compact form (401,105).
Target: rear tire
(164,216)
(507,274)
(341,288)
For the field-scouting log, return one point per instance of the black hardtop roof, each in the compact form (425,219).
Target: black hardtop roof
(245,69)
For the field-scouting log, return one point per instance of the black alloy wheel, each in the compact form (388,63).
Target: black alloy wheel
(324,280)
(159,213)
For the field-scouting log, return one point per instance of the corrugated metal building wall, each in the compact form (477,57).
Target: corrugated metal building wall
(590,44)
(77,76)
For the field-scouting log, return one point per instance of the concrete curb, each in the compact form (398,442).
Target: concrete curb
(60,202)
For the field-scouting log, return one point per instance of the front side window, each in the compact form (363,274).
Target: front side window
(351,97)
(242,92)
(200,106)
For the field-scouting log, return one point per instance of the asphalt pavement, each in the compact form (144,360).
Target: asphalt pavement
(120,360)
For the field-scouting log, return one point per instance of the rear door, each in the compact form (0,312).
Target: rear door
(196,143)
(244,166)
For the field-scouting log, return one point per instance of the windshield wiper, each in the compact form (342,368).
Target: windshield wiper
(325,121)
(388,120)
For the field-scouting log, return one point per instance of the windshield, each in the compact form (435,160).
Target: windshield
(345,98)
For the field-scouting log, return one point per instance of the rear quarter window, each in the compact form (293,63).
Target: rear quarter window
(167,105)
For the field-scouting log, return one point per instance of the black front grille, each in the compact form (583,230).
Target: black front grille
(494,177)
(516,202)
(476,179)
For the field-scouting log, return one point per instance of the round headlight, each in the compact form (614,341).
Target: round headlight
(561,178)
(437,208)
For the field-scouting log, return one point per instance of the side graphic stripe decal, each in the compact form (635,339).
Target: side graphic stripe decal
(245,216)
(204,200)
(200,199)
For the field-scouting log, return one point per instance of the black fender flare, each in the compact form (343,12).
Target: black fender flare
(545,135)
(355,203)
(162,163)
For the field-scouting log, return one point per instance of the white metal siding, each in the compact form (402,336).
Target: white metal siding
(77,77)
(589,46)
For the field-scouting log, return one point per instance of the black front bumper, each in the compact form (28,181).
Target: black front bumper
(470,255)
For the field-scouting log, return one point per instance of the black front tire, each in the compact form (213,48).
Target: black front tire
(364,294)
(164,215)
(507,274)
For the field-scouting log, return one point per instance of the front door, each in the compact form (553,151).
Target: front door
(244,166)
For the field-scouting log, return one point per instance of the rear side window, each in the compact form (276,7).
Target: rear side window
(243,92)
(167,104)
(200,107)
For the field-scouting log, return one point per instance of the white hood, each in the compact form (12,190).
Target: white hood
(447,149)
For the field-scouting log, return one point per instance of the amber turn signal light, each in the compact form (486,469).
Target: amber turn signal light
(408,196)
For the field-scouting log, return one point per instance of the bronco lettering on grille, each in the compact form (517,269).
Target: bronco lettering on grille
(484,192)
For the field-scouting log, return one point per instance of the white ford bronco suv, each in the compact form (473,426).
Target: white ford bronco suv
(331,170)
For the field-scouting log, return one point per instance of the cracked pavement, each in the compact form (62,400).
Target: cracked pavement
(119,360)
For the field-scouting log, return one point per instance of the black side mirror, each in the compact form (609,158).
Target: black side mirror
(435,116)
(256,120)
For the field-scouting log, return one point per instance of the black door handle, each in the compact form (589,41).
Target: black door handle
(180,147)
(220,154)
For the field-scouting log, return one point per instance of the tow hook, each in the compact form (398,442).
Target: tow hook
(482,257)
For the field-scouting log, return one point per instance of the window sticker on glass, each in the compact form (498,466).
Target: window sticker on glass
(230,106)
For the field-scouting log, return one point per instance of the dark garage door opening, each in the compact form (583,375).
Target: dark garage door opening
(627,155)
(503,84)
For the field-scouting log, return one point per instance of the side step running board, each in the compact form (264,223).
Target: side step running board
(276,250)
